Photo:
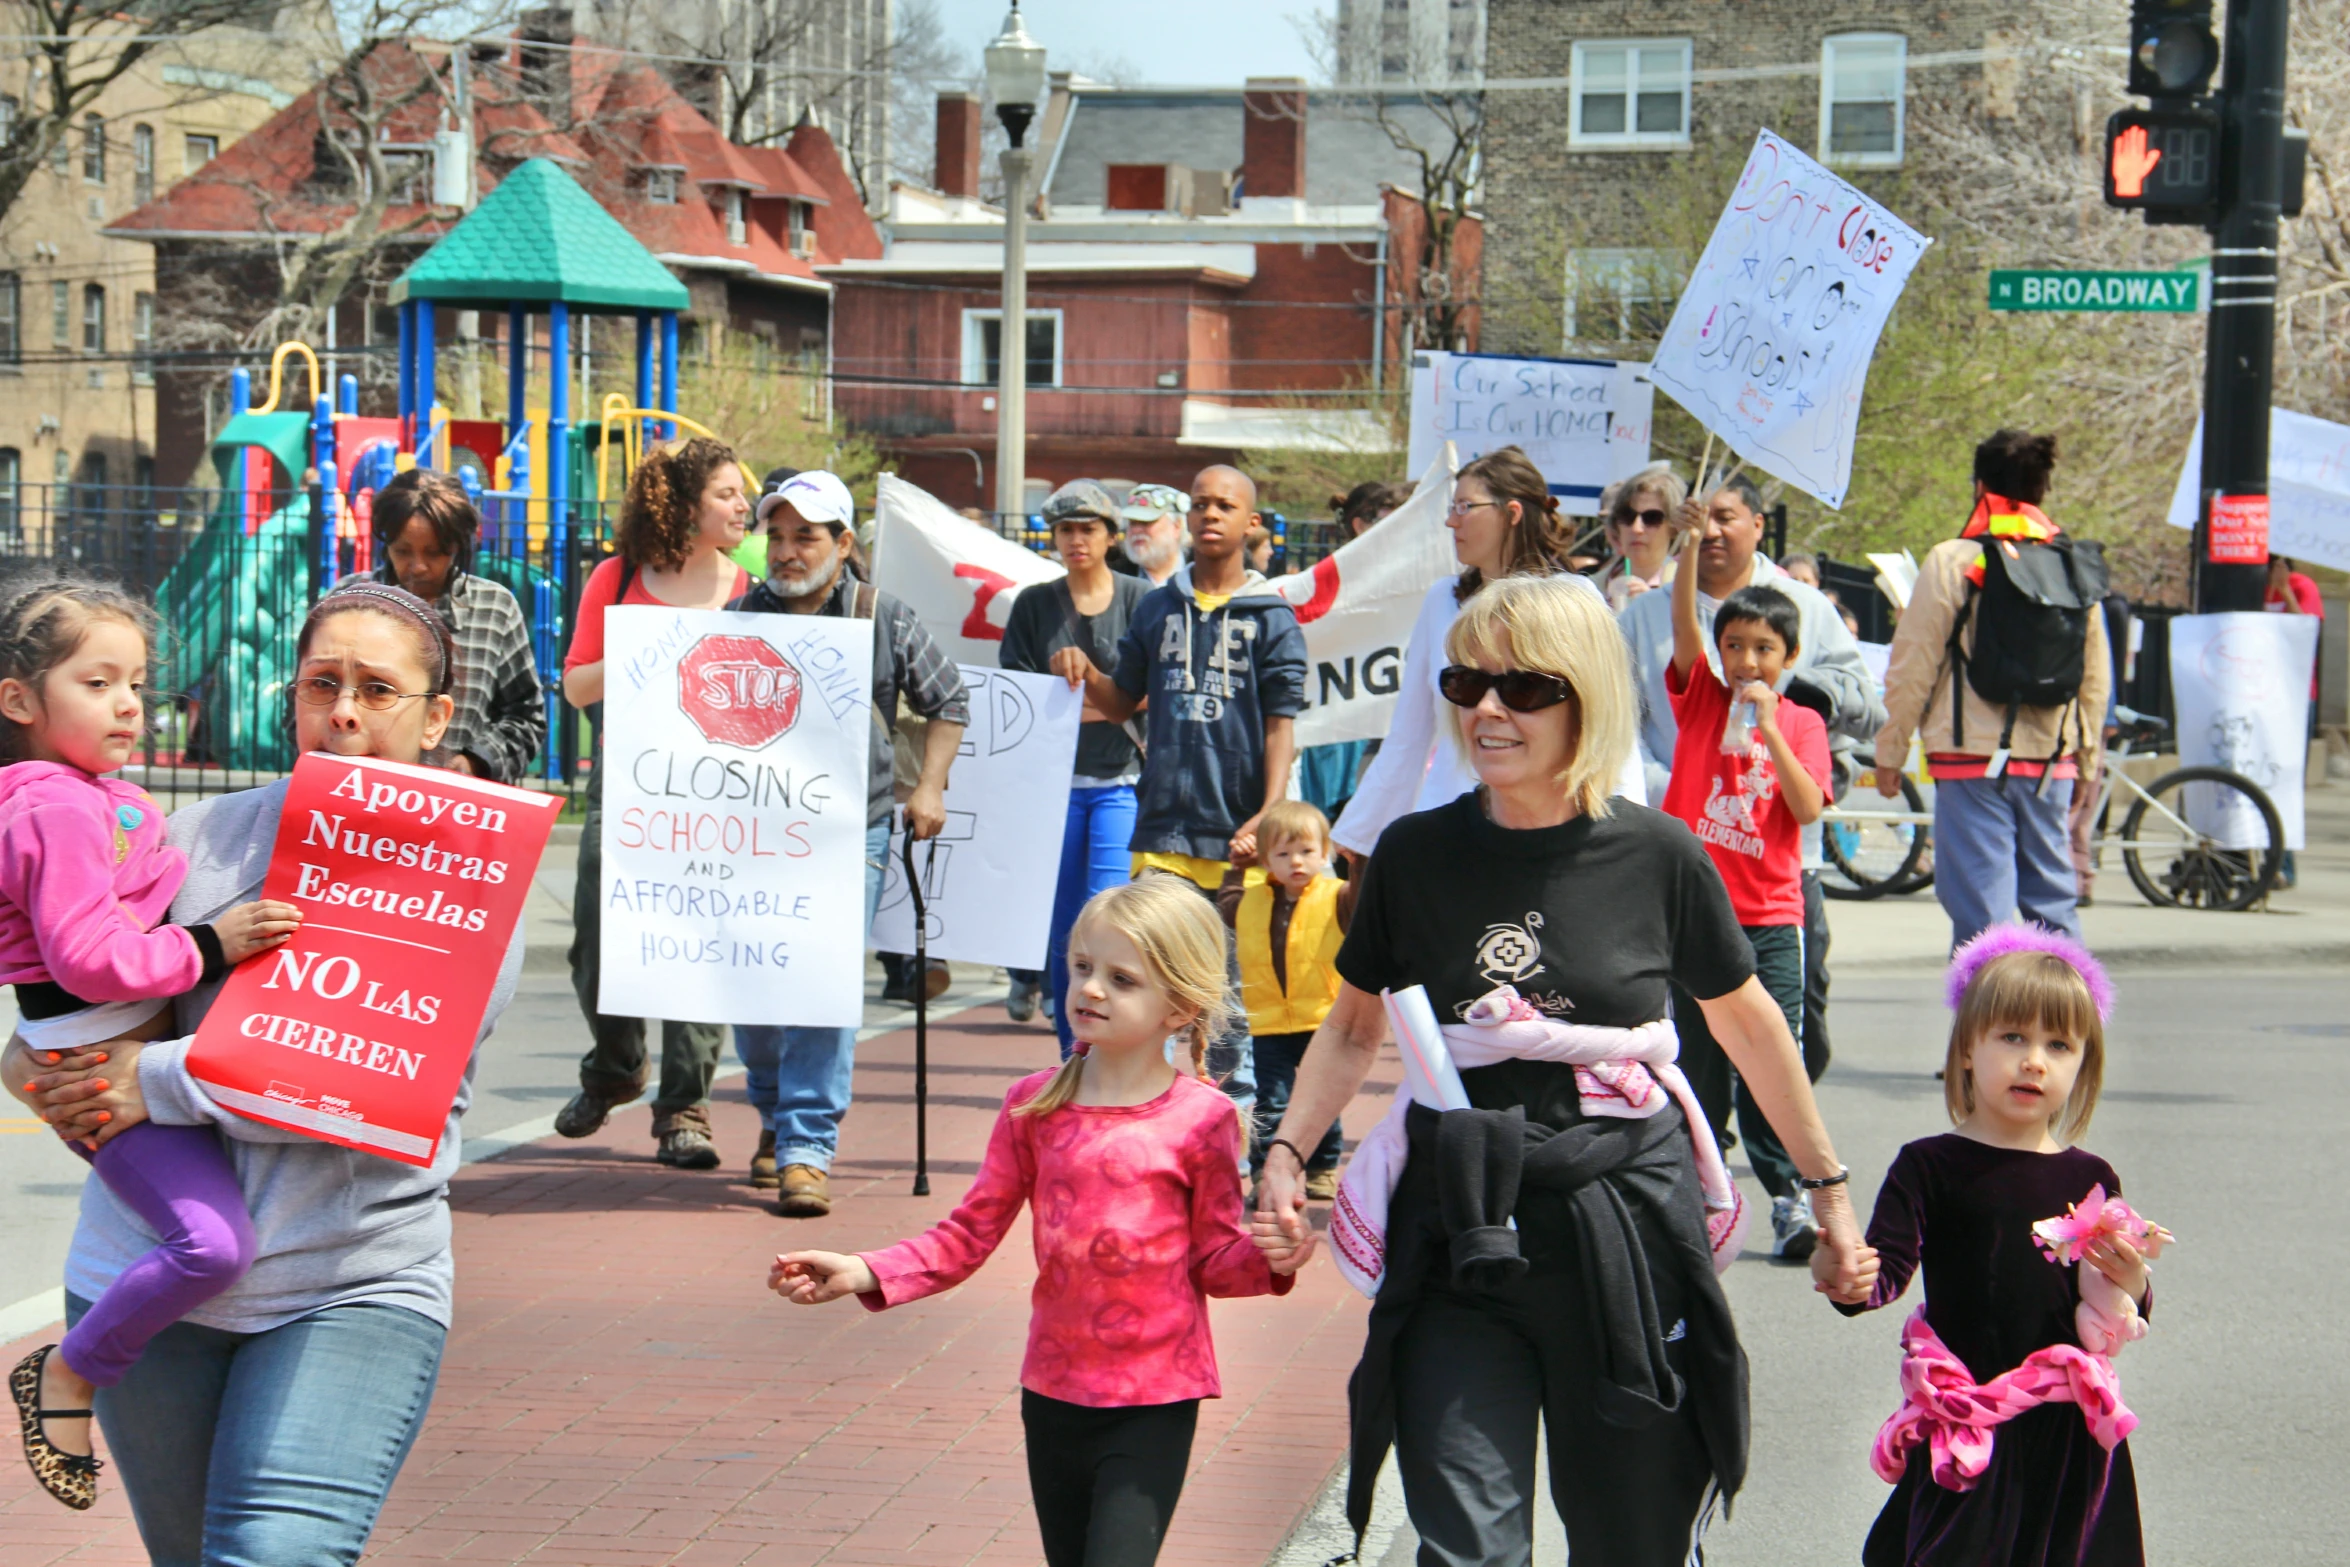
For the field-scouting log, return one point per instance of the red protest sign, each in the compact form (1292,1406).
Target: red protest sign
(2239,530)
(411,882)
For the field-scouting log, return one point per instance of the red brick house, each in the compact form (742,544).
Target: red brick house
(746,229)
(1210,271)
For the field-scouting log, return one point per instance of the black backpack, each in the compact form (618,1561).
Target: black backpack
(2031,619)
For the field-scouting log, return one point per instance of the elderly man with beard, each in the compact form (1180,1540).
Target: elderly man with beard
(1155,539)
(798,1078)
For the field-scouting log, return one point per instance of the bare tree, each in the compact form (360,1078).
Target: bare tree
(76,49)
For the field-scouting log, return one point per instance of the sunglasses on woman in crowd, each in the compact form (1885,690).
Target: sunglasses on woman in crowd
(1654,517)
(1520,690)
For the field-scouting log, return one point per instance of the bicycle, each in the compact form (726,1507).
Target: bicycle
(2227,864)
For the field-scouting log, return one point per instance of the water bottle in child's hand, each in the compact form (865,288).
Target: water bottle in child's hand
(1738,732)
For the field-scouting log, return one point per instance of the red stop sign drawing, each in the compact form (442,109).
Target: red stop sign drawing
(739,691)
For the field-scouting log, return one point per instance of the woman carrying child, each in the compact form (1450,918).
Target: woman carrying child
(86,880)
(1129,1168)
(2010,1443)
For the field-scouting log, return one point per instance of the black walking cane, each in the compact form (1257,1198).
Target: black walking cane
(921,1014)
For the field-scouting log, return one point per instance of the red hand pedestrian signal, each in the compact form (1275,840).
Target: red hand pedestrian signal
(2133,160)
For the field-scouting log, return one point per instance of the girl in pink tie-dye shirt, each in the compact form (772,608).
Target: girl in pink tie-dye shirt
(1130,1169)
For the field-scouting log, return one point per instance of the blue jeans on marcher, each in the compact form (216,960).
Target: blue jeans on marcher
(1094,858)
(798,1078)
(2002,847)
(269,1449)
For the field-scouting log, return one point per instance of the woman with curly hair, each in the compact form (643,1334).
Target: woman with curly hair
(683,516)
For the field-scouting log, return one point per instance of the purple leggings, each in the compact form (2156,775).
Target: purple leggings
(177,1179)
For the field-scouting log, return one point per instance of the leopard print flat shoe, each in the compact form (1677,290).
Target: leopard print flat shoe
(70,1477)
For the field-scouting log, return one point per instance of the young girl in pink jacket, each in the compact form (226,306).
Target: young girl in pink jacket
(1130,1169)
(85,874)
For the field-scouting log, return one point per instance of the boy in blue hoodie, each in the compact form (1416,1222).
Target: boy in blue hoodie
(1219,658)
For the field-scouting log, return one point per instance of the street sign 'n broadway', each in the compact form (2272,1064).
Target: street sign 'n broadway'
(2177,292)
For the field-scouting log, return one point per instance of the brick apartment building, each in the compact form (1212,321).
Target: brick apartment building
(1210,271)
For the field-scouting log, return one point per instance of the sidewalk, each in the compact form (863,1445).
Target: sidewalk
(621,1388)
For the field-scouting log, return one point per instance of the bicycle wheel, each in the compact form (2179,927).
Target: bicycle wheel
(1874,857)
(2177,864)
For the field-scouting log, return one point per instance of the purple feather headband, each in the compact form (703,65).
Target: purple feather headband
(2000,940)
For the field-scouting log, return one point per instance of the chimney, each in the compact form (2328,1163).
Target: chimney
(1273,138)
(958,144)
(546,71)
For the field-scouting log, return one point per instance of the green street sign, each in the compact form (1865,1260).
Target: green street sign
(2049,289)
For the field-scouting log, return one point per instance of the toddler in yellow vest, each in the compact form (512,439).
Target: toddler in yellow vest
(1288,922)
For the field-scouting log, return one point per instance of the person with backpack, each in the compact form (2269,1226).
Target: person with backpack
(2000,666)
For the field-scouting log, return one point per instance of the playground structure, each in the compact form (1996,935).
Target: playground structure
(297,488)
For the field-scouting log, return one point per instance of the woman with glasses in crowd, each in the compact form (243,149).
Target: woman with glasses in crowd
(1638,510)
(1505,523)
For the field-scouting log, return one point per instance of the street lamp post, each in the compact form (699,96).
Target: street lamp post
(1016,81)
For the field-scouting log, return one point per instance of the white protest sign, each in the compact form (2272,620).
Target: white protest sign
(2308,487)
(735,749)
(2240,686)
(1770,343)
(988,879)
(1357,608)
(1583,422)
(958,576)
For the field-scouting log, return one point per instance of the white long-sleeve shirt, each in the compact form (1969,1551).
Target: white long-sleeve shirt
(1420,765)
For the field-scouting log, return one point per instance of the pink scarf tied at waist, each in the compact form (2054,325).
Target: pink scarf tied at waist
(1627,1072)
(1955,1417)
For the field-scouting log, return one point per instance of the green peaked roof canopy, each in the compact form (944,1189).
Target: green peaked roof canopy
(538,237)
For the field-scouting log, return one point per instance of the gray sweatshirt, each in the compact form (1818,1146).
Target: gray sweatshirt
(333,1226)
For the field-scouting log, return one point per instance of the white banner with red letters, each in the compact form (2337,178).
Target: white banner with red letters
(1357,606)
(735,749)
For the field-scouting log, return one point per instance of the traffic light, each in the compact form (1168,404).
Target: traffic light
(2164,162)
(2173,51)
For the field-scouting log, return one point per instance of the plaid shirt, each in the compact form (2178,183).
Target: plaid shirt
(501,715)
(905,660)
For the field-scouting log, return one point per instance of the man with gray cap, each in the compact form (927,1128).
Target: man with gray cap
(1156,540)
(1088,609)
(798,1078)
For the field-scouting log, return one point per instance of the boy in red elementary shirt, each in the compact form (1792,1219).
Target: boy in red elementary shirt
(1750,772)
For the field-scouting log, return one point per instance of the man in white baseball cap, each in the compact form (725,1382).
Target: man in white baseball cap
(815,495)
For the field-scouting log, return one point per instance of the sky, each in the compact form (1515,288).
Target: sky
(1160,42)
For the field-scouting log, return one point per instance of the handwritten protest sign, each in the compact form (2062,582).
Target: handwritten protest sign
(2308,487)
(1583,422)
(735,749)
(988,878)
(410,881)
(1770,343)
(2240,686)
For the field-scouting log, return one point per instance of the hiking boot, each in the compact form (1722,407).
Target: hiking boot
(763,1173)
(1022,1000)
(686,1147)
(807,1193)
(1792,1233)
(1321,1185)
(585,1115)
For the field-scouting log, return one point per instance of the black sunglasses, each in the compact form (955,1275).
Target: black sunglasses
(1520,690)
(1651,518)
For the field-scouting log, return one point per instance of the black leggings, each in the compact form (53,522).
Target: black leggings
(1105,1480)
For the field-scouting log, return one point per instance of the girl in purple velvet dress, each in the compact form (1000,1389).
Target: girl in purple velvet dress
(2009,1444)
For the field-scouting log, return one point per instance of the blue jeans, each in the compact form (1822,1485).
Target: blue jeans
(269,1449)
(2003,848)
(1094,858)
(798,1078)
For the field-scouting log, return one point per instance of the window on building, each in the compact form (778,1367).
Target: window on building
(1631,94)
(61,314)
(11,318)
(1619,296)
(61,155)
(11,492)
(143,338)
(93,318)
(1861,77)
(142,163)
(408,177)
(983,347)
(661,187)
(8,108)
(196,151)
(94,149)
(737,227)
(1136,187)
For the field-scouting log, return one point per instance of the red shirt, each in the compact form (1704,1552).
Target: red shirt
(603,583)
(1733,803)
(1136,1219)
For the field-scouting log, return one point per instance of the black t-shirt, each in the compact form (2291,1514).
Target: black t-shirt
(1591,922)
(1043,621)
